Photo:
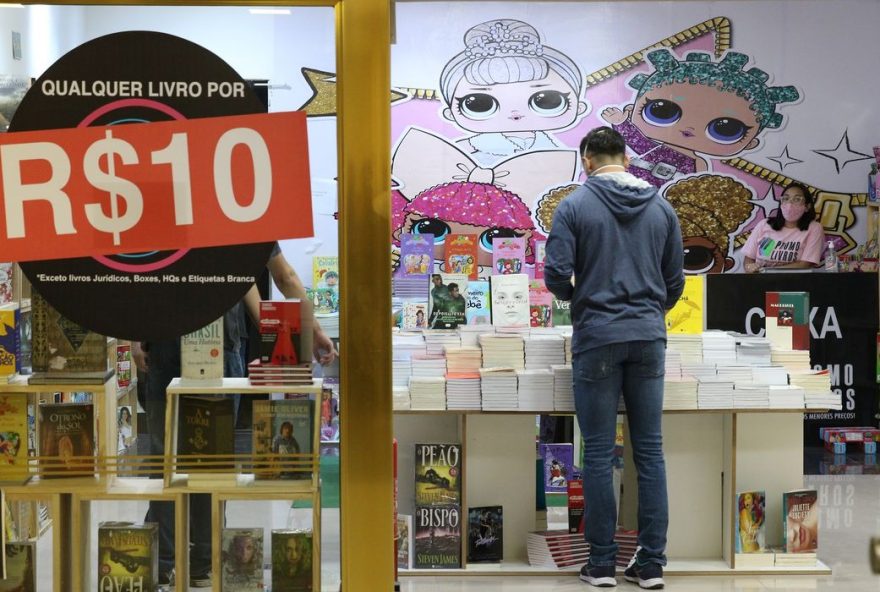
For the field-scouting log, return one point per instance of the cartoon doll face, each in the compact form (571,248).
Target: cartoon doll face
(696,117)
(419,224)
(538,105)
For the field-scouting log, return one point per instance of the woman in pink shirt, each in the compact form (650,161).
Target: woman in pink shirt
(790,238)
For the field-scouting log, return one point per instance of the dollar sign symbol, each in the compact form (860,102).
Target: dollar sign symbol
(110,148)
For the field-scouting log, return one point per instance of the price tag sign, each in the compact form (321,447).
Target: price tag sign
(128,188)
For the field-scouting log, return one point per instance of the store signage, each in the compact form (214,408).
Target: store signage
(843,327)
(116,189)
(144,184)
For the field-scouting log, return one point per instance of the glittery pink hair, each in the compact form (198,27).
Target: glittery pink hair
(478,204)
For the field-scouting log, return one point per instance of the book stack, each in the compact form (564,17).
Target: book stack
(567,338)
(543,351)
(463,390)
(689,346)
(470,334)
(401,370)
(786,397)
(410,288)
(627,544)
(783,559)
(329,322)
(752,350)
(792,359)
(714,394)
(521,330)
(261,374)
(535,390)
(738,375)
(464,359)
(719,347)
(776,375)
(404,344)
(680,393)
(672,364)
(285,345)
(400,400)
(498,387)
(750,396)
(428,366)
(699,370)
(438,339)
(427,393)
(557,549)
(503,350)
(563,387)
(817,389)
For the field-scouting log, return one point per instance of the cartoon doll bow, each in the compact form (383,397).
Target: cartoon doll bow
(423,160)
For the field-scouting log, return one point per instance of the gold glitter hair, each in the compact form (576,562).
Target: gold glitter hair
(548,203)
(713,206)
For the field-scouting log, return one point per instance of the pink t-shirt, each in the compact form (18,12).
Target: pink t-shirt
(772,248)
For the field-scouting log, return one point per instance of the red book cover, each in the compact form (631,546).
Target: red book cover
(460,255)
(576,505)
(280,333)
(788,319)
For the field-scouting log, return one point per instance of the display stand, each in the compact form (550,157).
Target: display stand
(710,455)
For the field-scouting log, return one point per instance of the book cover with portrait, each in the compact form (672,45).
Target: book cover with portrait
(508,255)
(283,433)
(241,560)
(510,300)
(460,255)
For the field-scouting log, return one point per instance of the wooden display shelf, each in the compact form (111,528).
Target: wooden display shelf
(244,484)
(61,540)
(560,412)
(239,386)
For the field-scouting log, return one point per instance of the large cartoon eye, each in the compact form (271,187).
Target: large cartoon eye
(497,232)
(661,113)
(549,103)
(438,228)
(726,130)
(698,258)
(478,106)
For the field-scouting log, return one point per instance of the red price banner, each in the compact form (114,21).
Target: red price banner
(154,186)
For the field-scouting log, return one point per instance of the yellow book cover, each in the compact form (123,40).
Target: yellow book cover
(13,437)
(687,314)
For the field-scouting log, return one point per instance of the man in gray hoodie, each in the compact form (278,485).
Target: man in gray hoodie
(621,244)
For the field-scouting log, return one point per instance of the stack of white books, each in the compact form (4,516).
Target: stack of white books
(567,338)
(400,400)
(563,387)
(535,390)
(464,359)
(698,370)
(437,339)
(793,359)
(424,365)
(498,387)
(329,323)
(470,334)
(786,397)
(690,346)
(673,364)
(503,350)
(521,330)
(713,393)
(735,374)
(719,347)
(401,370)
(775,375)
(817,389)
(427,393)
(680,393)
(751,396)
(752,350)
(463,390)
(543,351)
(404,344)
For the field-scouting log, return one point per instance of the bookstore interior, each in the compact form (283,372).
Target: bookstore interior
(201,388)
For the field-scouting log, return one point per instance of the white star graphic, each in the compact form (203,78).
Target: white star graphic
(768,203)
(842,155)
(784,159)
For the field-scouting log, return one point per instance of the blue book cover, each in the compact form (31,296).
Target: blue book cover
(558,461)
(10,340)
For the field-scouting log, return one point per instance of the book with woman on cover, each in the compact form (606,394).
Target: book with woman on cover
(292,560)
(750,522)
(241,560)
(800,516)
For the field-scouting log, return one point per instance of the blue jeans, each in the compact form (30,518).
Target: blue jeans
(636,369)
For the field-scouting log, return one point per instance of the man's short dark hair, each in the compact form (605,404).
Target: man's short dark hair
(452,286)
(603,141)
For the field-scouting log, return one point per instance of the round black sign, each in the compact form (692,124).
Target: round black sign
(139,77)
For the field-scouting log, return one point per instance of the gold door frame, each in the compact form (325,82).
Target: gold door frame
(363,48)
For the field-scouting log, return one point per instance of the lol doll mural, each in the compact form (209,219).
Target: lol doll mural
(689,111)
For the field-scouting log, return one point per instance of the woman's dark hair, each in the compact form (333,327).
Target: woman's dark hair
(776,221)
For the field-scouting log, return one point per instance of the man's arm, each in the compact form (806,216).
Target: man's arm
(673,264)
(559,255)
(288,283)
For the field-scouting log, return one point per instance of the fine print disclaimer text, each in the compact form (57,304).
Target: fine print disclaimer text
(136,278)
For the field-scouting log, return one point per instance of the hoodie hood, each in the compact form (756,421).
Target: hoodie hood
(625,195)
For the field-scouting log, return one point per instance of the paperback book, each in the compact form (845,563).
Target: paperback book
(404,541)
(460,255)
(558,460)
(540,305)
(283,436)
(416,255)
(67,438)
(437,537)
(21,567)
(292,560)
(205,427)
(540,252)
(478,311)
(284,340)
(508,255)
(325,272)
(324,300)
(10,339)
(447,306)
(576,505)
(788,320)
(438,472)
(415,315)
(749,527)
(800,515)
(201,354)
(485,534)
(510,300)
(123,365)
(128,556)
(561,312)
(241,560)
(7,288)
(13,437)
